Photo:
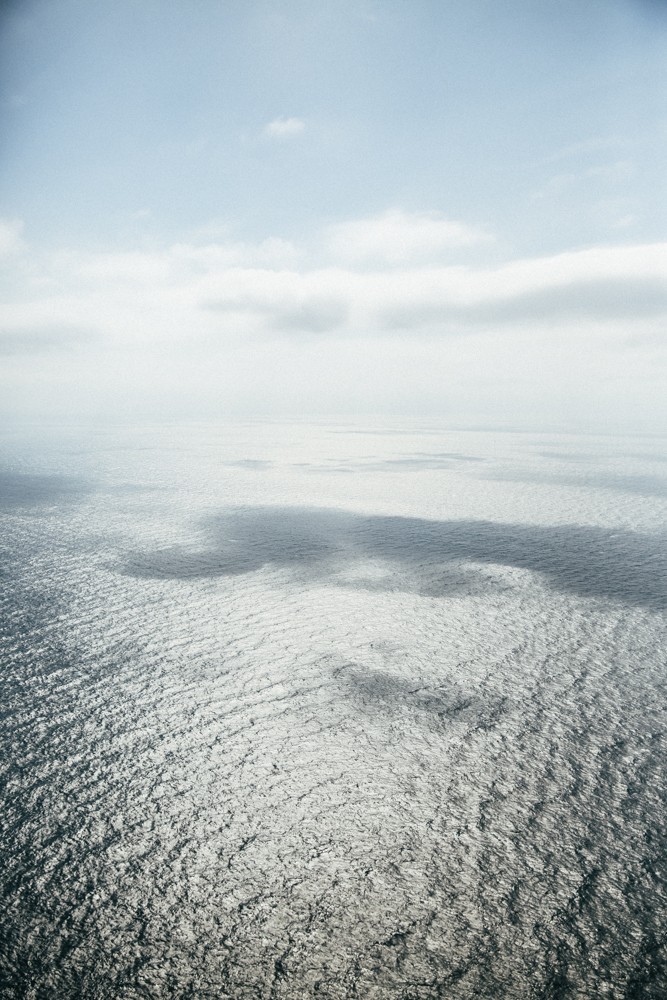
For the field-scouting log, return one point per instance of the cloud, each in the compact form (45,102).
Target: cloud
(625,221)
(608,174)
(594,145)
(318,314)
(603,285)
(606,284)
(38,340)
(271,286)
(281,300)
(219,324)
(184,262)
(397,237)
(284,128)
(10,236)
(594,300)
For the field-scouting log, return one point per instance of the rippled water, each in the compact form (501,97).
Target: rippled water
(332,712)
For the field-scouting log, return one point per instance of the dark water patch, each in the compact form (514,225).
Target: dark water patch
(439,705)
(592,458)
(28,490)
(417,462)
(637,484)
(590,561)
(570,456)
(644,456)
(641,485)
(383,687)
(253,464)
(389,432)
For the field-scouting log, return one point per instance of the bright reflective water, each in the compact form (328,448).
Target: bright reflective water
(332,711)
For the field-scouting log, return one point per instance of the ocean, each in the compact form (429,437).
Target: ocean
(332,710)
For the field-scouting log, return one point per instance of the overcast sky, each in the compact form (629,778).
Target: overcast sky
(309,207)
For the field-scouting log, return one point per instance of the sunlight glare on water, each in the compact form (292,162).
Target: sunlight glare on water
(334,711)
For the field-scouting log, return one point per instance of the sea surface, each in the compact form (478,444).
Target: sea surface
(335,711)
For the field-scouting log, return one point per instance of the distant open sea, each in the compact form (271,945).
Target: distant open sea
(334,711)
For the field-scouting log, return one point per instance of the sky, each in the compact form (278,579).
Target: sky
(308,208)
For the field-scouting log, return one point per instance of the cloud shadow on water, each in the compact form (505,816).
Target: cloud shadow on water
(421,462)
(429,557)
(27,490)
(644,485)
(417,462)
(440,704)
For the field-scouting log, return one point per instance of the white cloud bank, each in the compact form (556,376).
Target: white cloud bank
(284,128)
(397,237)
(574,339)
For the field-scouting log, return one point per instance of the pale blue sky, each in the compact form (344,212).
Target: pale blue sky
(296,206)
(543,119)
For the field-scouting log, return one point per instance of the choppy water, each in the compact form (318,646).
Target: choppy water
(327,712)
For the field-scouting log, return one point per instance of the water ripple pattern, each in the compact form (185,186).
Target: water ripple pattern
(332,712)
